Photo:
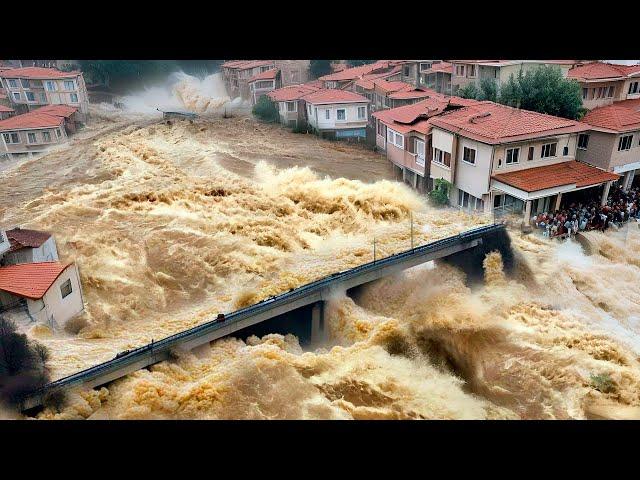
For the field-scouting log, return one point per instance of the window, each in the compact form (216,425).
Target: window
(530,156)
(583,141)
(341,114)
(565,151)
(610,92)
(58,133)
(585,93)
(50,85)
(469,155)
(548,150)
(406,71)
(443,158)
(395,138)
(46,136)
(380,128)
(471,71)
(16,96)
(292,107)
(11,138)
(419,153)
(362,113)
(634,87)
(65,288)
(512,156)
(74,98)
(625,142)
(43,98)
(25,83)
(30,96)
(327,114)
(31,137)
(13,83)
(460,70)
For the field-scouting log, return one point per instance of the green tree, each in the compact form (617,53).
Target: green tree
(120,71)
(488,90)
(318,68)
(266,110)
(357,63)
(543,90)
(468,91)
(440,194)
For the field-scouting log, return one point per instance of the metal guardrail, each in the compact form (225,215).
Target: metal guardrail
(166,344)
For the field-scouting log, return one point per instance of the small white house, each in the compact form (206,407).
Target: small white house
(337,113)
(26,246)
(47,292)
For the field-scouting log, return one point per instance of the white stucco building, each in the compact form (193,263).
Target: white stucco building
(337,113)
(47,292)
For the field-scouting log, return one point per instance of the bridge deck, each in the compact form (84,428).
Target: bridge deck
(305,295)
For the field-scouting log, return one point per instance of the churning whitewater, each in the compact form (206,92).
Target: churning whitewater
(171,224)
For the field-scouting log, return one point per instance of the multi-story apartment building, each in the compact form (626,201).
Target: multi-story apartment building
(604,83)
(614,140)
(501,158)
(465,72)
(35,131)
(404,133)
(237,74)
(30,88)
(345,79)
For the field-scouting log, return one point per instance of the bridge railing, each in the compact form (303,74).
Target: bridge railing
(164,345)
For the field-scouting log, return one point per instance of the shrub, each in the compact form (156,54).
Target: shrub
(440,194)
(603,383)
(266,110)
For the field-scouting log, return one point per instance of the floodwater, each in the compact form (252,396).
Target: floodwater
(171,224)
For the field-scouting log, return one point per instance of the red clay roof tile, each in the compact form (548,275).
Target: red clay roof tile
(37,73)
(614,117)
(492,123)
(556,175)
(334,96)
(30,280)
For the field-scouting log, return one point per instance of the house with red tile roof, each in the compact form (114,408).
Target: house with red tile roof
(465,72)
(30,88)
(345,79)
(291,106)
(45,292)
(263,83)
(614,140)
(35,131)
(404,134)
(500,158)
(237,74)
(27,246)
(337,114)
(604,83)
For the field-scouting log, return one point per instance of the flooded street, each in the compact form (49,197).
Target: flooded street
(171,224)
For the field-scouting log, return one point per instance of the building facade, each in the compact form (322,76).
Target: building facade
(30,88)
(498,158)
(613,143)
(34,132)
(605,83)
(337,114)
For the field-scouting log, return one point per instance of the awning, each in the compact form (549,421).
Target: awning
(549,180)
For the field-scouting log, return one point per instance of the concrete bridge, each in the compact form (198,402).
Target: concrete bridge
(465,248)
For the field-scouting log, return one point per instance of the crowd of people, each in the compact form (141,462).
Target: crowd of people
(620,208)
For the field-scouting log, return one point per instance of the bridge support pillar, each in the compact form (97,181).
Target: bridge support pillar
(317,322)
